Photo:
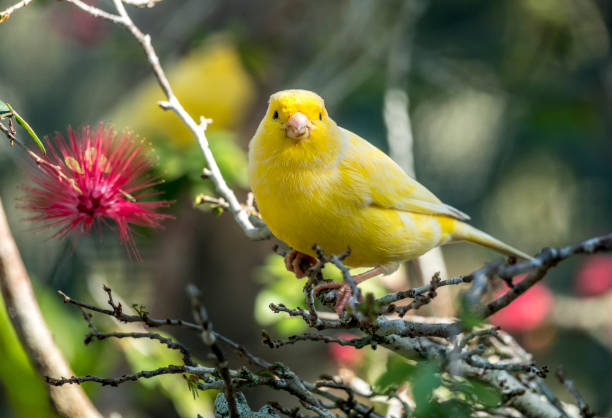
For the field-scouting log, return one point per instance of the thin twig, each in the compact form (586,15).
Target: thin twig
(355,342)
(412,293)
(209,338)
(472,360)
(148,335)
(539,266)
(142,3)
(123,317)
(97,12)
(6,13)
(144,374)
(585,409)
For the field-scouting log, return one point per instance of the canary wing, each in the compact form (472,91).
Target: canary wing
(379,181)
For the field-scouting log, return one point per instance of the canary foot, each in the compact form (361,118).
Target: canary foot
(344,289)
(299,263)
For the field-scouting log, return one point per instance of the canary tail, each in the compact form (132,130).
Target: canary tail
(463,231)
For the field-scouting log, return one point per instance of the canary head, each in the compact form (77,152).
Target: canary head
(297,131)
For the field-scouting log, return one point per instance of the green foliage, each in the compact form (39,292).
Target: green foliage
(434,395)
(4,109)
(398,372)
(280,286)
(469,318)
(23,389)
(27,127)
(424,381)
(479,392)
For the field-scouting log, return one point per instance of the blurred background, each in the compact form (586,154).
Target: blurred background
(510,109)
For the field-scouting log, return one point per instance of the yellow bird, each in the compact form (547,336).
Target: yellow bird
(317,183)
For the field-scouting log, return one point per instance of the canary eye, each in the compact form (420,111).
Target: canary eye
(275,115)
(320,116)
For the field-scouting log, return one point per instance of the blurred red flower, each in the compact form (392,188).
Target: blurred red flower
(527,311)
(74,23)
(345,355)
(594,277)
(91,178)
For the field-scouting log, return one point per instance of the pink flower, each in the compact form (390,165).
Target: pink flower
(595,276)
(526,312)
(90,179)
(345,355)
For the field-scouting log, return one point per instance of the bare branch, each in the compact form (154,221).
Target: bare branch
(510,367)
(539,266)
(97,12)
(149,335)
(241,216)
(585,409)
(209,338)
(123,317)
(142,3)
(355,342)
(145,374)
(6,13)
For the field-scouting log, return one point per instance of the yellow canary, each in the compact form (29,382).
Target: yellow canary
(317,183)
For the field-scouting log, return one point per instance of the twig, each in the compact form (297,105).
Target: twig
(355,342)
(412,293)
(540,265)
(241,216)
(96,12)
(509,367)
(419,299)
(123,317)
(209,338)
(149,335)
(552,399)
(142,3)
(585,409)
(198,130)
(144,374)
(6,13)
(319,323)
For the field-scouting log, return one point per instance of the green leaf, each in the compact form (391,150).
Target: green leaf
(481,392)
(453,408)
(4,108)
(425,380)
(28,128)
(470,319)
(398,372)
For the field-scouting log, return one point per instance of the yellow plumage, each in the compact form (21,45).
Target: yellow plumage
(328,186)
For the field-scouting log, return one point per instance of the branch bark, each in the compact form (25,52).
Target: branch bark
(32,331)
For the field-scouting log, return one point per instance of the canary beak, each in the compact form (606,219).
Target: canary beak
(298,126)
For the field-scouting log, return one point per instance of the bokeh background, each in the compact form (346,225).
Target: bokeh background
(509,103)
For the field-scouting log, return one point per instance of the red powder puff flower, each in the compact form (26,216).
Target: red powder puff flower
(595,276)
(91,178)
(526,312)
(345,355)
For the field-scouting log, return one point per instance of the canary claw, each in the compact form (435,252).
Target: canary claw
(299,263)
(343,296)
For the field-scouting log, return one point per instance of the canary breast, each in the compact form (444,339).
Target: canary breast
(330,208)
